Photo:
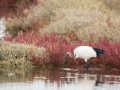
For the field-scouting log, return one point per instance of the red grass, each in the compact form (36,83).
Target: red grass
(9,6)
(57,48)
(112,56)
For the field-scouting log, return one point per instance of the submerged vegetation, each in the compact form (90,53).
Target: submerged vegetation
(60,26)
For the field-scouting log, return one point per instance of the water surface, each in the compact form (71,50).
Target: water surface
(58,79)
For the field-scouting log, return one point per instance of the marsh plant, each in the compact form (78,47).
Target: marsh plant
(60,26)
(15,55)
(57,47)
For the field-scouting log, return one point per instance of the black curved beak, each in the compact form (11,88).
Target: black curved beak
(64,59)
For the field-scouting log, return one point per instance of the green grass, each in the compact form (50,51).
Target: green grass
(18,55)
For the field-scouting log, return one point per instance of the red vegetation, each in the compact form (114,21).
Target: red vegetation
(57,47)
(112,56)
(11,6)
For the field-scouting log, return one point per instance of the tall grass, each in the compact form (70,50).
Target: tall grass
(83,17)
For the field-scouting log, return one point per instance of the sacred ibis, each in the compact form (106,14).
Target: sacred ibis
(84,52)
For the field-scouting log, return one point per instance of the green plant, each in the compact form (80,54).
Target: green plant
(13,54)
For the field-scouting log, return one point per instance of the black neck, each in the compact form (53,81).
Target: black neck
(98,51)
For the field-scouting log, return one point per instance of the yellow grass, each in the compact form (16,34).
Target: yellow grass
(84,17)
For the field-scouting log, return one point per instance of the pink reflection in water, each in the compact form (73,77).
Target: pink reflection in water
(61,76)
(62,79)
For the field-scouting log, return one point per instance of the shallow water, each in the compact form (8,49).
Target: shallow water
(58,79)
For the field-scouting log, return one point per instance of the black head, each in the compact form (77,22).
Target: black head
(99,51)
(68,54)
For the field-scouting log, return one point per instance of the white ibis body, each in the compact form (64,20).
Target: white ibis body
(84,52)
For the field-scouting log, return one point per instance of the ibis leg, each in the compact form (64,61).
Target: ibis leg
(86,67)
